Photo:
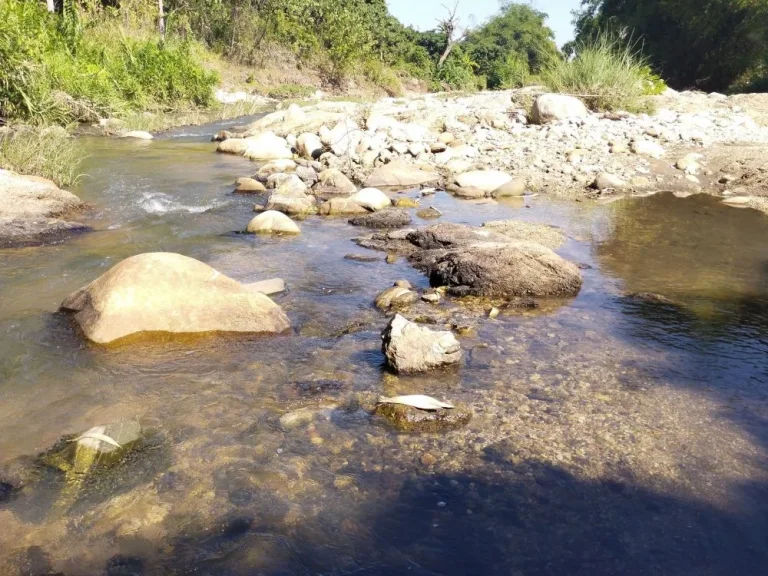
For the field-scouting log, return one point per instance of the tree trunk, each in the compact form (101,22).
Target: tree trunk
(161,18)
(446,53)
(51,5)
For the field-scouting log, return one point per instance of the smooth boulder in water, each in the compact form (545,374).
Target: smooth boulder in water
(272,222)
(162,292)
(411,348)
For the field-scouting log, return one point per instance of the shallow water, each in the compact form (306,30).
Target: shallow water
(611,435)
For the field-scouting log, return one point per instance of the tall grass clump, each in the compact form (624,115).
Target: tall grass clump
(49,152)
(86,64)
(608,74)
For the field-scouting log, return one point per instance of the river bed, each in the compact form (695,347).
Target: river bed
(612,434)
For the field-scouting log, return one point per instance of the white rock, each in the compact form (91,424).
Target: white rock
(554,107)
(272,222)
(309,145)
(371,198)
(138,134)
(265,146)
(344,137)
(485,180)
(647,148)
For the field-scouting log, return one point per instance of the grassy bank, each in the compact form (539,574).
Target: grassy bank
(48,152)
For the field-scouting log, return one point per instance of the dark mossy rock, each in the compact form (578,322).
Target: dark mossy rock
(409,419)
(6,491)
(392,218)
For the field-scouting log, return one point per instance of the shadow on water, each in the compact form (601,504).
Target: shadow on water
(543,521)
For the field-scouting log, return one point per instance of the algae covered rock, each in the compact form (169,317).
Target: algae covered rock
(99,446)
(410,419)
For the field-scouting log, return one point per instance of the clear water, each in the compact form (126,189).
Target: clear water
(611,435)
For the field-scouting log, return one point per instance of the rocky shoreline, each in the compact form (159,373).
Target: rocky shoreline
(546,144)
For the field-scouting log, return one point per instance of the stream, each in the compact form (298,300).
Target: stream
(612,433)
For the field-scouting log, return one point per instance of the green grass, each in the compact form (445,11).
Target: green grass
(158,122)
(607,74)
(79,67)
(49,152)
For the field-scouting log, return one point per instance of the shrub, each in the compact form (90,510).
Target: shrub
(59,69)
(608,74)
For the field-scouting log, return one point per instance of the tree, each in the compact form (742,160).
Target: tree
(706,44)
(450,28)
(514,43)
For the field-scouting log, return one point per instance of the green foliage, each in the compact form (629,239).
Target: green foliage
(607,73)
(50,152)
(706,44)
(290,91)
(512,45)
(456,73)
(64,69)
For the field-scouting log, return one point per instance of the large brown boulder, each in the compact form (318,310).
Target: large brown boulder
(169,293)
(505,270)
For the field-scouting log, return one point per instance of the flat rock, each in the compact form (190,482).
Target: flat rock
(413,420)
(393,218)
(543,234)
(163,292)
(335,179)
(138,135)
(33,211)
(485,180)
(606,181)
(505,270)
(400,174)
(411,348)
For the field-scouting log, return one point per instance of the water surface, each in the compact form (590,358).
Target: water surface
(614,434)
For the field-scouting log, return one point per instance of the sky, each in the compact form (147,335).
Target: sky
(422,14)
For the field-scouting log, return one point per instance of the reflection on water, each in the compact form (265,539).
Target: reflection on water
(618,434)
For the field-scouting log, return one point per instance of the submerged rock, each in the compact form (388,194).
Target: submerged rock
(543,234)
(409,419)
(430,213)
(138,135)
(393,218)
(411,348)
(398,296)
(169,293)
(98,446)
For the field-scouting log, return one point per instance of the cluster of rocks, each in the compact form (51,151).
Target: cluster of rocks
(501,260)
(34,210)
(492,144)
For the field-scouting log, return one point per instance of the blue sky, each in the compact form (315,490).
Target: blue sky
(422,13)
